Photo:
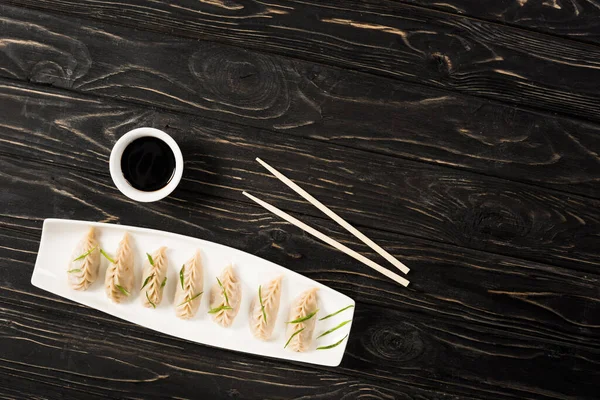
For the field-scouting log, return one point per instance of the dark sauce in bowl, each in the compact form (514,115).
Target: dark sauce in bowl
(148,164)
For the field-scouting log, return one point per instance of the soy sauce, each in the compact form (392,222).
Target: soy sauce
(148,164)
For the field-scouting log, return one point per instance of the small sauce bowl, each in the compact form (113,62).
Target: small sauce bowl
(117,173)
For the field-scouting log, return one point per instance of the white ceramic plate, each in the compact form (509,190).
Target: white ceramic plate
(59,238)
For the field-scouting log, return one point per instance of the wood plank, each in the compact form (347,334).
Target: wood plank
(577,19)
(49,351)
(469,325)
(370,190)
(385,38)
(299,98)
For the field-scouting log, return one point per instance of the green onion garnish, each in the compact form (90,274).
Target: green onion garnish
(147,280)
(181,275)
(73,270)
(216,310)
(331,346)
(150,301)
(291,337)
(150,259)
(107,256)
(188,300)
(336,313)
(224,293)
(87,253)
(262,306)
(302,319)
(334,329)
(164,282)
(123,290)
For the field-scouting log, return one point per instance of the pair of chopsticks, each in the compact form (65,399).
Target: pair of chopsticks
(340,221)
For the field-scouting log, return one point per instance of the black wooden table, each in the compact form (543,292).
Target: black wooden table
(463,136)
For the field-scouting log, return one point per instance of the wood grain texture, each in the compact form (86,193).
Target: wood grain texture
(369,106)
(370,190)
(575,19)
(381,37)
(470,325)
(301,99)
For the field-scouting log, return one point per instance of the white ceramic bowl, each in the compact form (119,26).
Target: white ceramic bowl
(117,174)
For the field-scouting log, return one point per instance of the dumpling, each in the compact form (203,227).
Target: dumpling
(154,278)
(305,305)
(225,297)
(83,269)
(264,309)
(118,281)
(189,288)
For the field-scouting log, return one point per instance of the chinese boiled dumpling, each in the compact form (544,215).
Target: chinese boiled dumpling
(304,305)
(154,278)
(83,269)
(189,287)
(118,281)
(225,297)
(264,309)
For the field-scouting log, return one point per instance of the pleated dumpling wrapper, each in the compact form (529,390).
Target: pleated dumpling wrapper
(302,319)
(225,297)
(264,309)
(154,278)
(118,281)
(189,288)
(83,269)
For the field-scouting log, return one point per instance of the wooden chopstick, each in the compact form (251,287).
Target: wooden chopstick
(335,217)
(328,240)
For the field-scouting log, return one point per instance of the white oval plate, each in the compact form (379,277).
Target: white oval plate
(60,236)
